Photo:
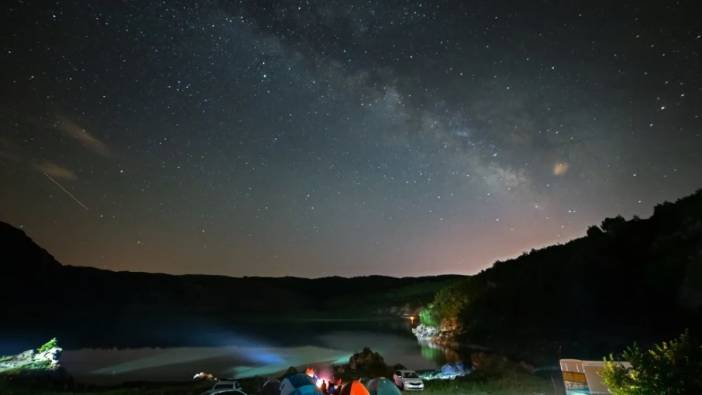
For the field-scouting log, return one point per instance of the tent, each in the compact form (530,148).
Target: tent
(453,369)
(382,386)
(270,387)
(299,384)
(447,372)
(354,388)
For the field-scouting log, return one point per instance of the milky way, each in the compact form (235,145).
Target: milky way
(314,138)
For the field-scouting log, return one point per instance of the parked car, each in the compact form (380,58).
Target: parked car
(225,387)
(408,380)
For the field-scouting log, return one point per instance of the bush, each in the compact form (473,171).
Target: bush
(668,368)
(428,316)
(368,363)
(53,343)
(448,305)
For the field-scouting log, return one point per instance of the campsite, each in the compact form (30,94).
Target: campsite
(365,373)
(350,197)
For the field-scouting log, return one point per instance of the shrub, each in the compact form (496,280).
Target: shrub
(368,363)
(448,305)
(53,343)
(667,368)
(429,316)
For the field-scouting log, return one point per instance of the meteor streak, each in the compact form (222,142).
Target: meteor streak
(72,196)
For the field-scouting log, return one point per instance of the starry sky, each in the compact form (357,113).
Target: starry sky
(328,137)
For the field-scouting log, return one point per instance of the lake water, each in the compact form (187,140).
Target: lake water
(242,351)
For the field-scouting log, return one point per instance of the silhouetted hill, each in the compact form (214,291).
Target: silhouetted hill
(39,292)
(639,279)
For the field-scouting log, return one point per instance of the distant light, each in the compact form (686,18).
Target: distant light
(560,168)
(310,372)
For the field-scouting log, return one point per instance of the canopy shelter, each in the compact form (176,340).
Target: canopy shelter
(382,386)
(354,388)
(299,384)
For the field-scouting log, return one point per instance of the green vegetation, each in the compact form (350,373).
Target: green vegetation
(667,368)
(53,343)
(494,375)
(448,304)
(511,384)
(429,316)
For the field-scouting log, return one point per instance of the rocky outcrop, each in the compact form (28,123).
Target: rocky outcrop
(425,333)
(41,364)
(442,337)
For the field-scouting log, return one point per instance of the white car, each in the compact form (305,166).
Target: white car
(408,380)
(225,387)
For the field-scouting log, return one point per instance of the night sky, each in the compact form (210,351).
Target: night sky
(324,137)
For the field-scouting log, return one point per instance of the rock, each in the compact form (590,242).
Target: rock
(26,355)
(51,356)
(46,360)
(425,332)
(34,365)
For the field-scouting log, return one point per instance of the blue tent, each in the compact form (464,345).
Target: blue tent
(299,384)
(453,369)
(382,386)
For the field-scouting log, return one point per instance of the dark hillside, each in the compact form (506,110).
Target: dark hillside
(639,279)
(40,293)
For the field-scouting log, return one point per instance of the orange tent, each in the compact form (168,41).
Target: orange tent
(354,388)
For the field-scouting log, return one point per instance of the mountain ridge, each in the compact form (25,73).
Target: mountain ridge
(54,300)
(7,229)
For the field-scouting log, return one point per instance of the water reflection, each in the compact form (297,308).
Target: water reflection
(241,356)
(434,352)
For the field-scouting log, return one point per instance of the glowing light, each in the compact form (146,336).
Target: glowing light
(560,168)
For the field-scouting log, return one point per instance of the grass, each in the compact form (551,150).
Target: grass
(508,384)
